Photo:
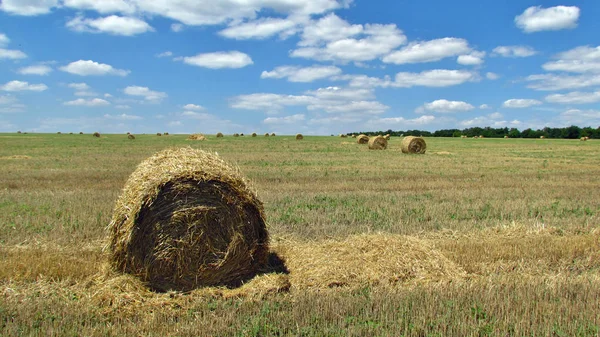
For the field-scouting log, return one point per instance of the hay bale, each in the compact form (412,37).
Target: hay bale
(187,219)
(267,134)
(130,136)
(58,133)
(236,134)
(159,134)
(505,137)
(362,139)
(387,137)
(81,133)
(219,135)
(196,136)
(19,131)
(353,136)
(542,137)
(378,143)
(166,133)
(241,135)
(480,136)
(272,134)
(411,144)
(587,138)
(343,135)
(299,136)
(254,134)
(96,134)
(582,139)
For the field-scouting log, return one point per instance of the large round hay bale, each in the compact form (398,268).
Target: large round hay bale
(96,134)
(272,134)
(353,136)
(196,136)
(411,144)
(130,136)
(81,133)
(187,219)
(342,135)
(254,134)
(362,139)
(267,134)
(583,139)
(241,134)
(219,135)
(166,133)
(299,136)
(236,134)
(378,143)
(59,133)
(505,137)
(542,137)
(159,134)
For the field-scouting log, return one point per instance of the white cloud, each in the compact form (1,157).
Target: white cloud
(177,27)
(492,120)
(445,106)
(193,107)
(575,97)
(536,18)
(165,54)
(582,59)
(41,70)
(495,115)
(149,95)
(122,107)
(219,60)
(514,51)
(269,102)
(22,86)
(475,58)
(299,74)
(4,40)
(11,54)
(196,115)
(400,122)
(484,106)
(88,102)
(123,117)
(580,117)
(13,108)
(433,78)
(258,29)
(91,68)
(107,95)
(429,51)
(102,7)
(27,7)
(7,99)
(344,94)
(492,76)
(351,107)
(293,119)
(79,86)
(551,82)
(333,39)
(115,25)
(520,103)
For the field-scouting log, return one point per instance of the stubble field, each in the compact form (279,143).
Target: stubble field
(483,237)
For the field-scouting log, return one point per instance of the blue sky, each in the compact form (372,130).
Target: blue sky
(289,66)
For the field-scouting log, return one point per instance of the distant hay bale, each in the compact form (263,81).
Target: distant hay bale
(241,135)
(81,133)
(159,134)
(236,134)
(481,136)
(378,143)
(130,136)
(128,133)
(583,139)
(166,133)
(272,134)
(219,135)
(587,138)
(19,131)
(387,137)
(59,133)
(70,133)
(411,144)
(96,134)
(542,137)
(353,136)
(343,135)
(186,219)
(254,134)
(505,137)
(299,137)
(362,139)
(196,136)
(267,134)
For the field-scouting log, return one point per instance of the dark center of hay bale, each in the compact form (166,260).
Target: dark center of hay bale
(185,220)
(362,139)
(96,134)
(378,143)
(130,136)
(299,137)
(411,144)
(273,134)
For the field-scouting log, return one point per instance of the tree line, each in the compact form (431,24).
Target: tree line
(571,132)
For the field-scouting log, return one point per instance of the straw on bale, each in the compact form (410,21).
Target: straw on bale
(96,134)
(130,136)
(272,134)
(159,134)
(299,136)
(254,134)
(187,219)
(196,136)
(236,134)
(219,135)
(378,143)
(362,139)
(387,137)
(411,144)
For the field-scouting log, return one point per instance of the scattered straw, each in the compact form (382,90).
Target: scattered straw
(16,156)
(411,144)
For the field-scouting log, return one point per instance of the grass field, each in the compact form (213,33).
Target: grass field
(517,219)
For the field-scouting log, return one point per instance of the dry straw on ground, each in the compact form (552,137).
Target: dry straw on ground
(299,137)
(96,134)
(378,143)
(411,144)
(187,219)
(196,136)
(219,135)
(130,136)
(254,134)
(362,139)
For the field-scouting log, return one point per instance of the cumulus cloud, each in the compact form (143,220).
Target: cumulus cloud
(433,78)
(259,29)
(475,58)
(520,103)
(293,119)
(165,54)
(219,60)
(580,117)
(583,59)
(28,8)
(514,51)
(102,7)
(400,122)
(41,70)
(430,51)
(177,27)
(11,54)
(484,106)
(536,18)
(492,76)
(22,86)
(114,25)
(4,40)
(123,117)
(92,68)
(88,102)
(302,74)
(551,82)
(193,107)
(575,97)
(445,106)
(146,93)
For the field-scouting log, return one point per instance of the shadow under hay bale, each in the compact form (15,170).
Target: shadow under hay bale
(299,137)
(187,219)
(362,139)
(411,144)
(378,143)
